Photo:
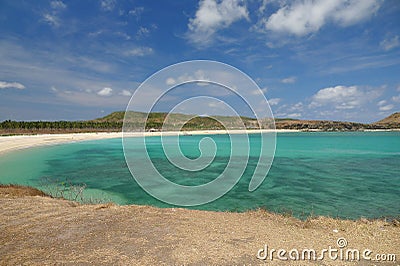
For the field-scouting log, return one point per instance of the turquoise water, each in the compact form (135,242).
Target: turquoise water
(348,175)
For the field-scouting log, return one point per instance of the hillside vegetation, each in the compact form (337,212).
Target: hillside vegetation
(165,121)
(393,119)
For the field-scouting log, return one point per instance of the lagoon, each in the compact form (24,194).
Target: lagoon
(338,174)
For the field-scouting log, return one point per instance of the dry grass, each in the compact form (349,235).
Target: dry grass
(40,230)
(13,191)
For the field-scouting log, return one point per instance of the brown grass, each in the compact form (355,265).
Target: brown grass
(13,191)
(38,230)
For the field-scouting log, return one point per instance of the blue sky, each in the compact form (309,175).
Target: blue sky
(317,59)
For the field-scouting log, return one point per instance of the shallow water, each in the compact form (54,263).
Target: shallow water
(348,175)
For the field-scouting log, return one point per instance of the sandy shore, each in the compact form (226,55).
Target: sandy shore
(38,230)
(11,143)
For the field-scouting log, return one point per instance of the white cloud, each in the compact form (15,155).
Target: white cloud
(202,83)
(216,104)
(260,91)
(294,115)
(380,103)
(95,33)
(123,35)
(263,7)
(342,97)
(274,101)
(51,17)
(11,85)
(83,98)
(213,16)
(170,81)
(73,78)
(390,43)
(107,5)
(136,12)
(289,110)
(297,107)
(308,16)
(396,98)
(126,93)
(199,76)
(140,51)
(58,4)
(289,80)
(350,12)
(105,92)
(142,32)
(52,20)
(386,107)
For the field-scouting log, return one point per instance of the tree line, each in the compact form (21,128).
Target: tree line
(38,125)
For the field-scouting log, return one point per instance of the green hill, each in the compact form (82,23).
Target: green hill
(173,121)
(134,121)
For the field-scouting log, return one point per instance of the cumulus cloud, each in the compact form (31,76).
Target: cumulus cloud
(294,115)
(140,51)
(142,32)
(274,101)
(58,4)
(105,92)
(308,16)
(126,93)
(289,80)
(11,85)
(170,81)
(212,16)
(263,7)
(107,5)
(396,98)
(289,110)
(260,91)
(297,107)
(51,17)
(199,75)
(52,20)
(386,107)
(390,43)
(343,97)
(380,103)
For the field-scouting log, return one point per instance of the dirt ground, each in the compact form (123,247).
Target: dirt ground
(39,230)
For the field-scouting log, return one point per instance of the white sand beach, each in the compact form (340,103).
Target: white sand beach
(12,143)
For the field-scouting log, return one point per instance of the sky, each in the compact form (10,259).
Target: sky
(312,59)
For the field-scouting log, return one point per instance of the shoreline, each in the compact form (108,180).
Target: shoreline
(19,142)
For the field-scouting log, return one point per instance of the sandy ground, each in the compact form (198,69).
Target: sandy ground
(38,230)
(10,143)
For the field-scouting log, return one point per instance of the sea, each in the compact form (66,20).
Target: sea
(338,174)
